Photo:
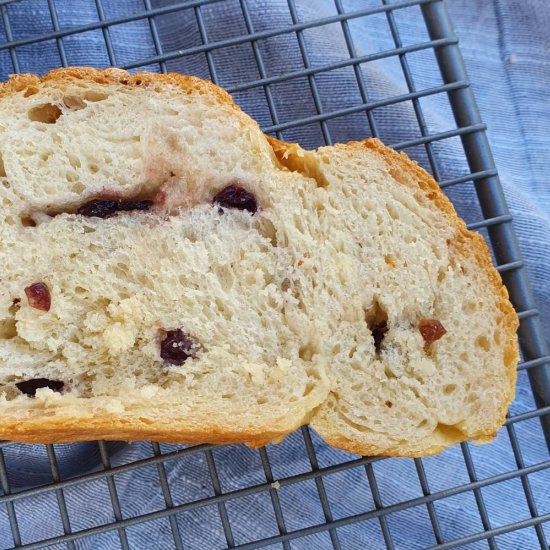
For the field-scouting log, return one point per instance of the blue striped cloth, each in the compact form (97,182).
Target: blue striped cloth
(506,46)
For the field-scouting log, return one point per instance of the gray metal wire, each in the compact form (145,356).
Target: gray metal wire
(14,526)
(227,530)
(477,494)
(115,502)
(497,221)
(167,497)
(290,480)
(526,484)
(61,504)
(378,505)
(106,33)
(154,33)
(325,504)
(261,68)
(279,518)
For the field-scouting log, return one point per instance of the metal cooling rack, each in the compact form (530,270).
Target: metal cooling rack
(496,222)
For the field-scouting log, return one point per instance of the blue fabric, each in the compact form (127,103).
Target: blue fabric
(506,48)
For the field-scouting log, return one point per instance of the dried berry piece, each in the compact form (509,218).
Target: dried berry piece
(99,208)
(378,332)
(39,296)
(176,347)
(105,208)
(29,387)
(126,206)
(235,196)
(431,330)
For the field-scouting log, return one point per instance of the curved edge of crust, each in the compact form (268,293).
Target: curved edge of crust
(414,451)
(468,244)
(61,77)
(106,428)
(422,448)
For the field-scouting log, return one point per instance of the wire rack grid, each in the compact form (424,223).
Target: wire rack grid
(107,464)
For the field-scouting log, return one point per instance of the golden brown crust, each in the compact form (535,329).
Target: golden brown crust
(51,429)
(61,77)
(372,450)
(54,430)
(466,243)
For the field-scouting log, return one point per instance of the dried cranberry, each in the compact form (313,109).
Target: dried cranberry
(235,196)
(105,208)
(135,205)
(378,332)
(99,208)
(39,296)
(29,387)
(431,330)
(176,347)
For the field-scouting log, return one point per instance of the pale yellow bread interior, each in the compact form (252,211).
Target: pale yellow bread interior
(281,304)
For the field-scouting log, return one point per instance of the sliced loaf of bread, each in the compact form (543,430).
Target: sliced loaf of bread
(171,273)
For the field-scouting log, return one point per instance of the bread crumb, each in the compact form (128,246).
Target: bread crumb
(389,404)
(275,485)
(283,364)
(114,407)
(119,337)
(256,372)
(149,391)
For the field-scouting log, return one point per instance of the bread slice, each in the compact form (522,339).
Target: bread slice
(171,273)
